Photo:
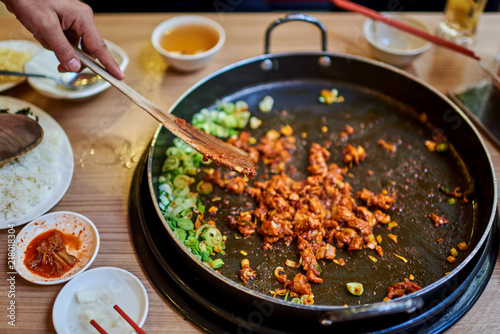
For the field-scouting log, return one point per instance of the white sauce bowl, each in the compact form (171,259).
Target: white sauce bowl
(191,62)
(394,46)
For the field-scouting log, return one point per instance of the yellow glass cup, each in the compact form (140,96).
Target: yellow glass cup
(460,20)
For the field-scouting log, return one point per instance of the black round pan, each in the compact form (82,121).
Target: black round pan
(381,102)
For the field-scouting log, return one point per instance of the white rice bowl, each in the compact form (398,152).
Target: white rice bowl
(29,179)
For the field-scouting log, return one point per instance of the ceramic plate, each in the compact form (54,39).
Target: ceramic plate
(491,65)
(69,223)
(63,162)
(19,45)
(128,292)
(46,63)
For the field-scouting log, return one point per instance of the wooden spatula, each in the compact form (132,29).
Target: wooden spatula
(212,148)
(19,134)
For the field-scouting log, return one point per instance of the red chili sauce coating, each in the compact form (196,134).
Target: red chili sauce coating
(46,254)
(218,151)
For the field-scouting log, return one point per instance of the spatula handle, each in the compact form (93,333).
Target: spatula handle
(137,98)
(211,147)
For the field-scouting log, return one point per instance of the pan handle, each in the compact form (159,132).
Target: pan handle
(362,312)
(295,17)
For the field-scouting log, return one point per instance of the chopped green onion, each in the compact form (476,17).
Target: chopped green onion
(266,104)
(228,107)
(229,122)
(205,256)
(180,234)
(442,147)
(213,237)
(165,187)
(191,170)
(217,263)
(182,181)
(174,152)
(191,242)
(171,224)
(180,205)
(201,208)
(287,294)
(170,163)
(204,188)
(241,105)
(185,223)
(355,288)
(255,122)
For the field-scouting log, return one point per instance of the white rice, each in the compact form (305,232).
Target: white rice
(29,179)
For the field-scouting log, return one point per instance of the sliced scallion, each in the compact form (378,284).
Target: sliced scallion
(180,205)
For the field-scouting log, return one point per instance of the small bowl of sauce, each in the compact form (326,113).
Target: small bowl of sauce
(188,42)
(394,46)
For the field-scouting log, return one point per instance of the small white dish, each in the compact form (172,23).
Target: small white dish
(491,66)
(131,296)
(46,63)
(392,45)
(19,45)
(63,163)
(69,223)
(189,62)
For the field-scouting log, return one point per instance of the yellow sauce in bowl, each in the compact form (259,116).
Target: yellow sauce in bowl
(189,39)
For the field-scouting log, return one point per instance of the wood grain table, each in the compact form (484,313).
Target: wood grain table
(109,134)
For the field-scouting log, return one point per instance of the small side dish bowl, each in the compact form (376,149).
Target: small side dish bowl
(491,66)
(73,226)
(394,46)
(188,42)
(93,294)
(23,46)
(45,62)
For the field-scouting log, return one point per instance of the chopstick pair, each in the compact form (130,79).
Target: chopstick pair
(348,5)
(132,323)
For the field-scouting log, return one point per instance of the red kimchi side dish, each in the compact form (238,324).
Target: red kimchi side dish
(46,254)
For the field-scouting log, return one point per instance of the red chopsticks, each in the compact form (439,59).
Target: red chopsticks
(136,327)
(98,327)
(347,5)
(130,321)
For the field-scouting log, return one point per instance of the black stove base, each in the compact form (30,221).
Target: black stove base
(187,296)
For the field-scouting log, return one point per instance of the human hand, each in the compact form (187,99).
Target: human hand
(59,24)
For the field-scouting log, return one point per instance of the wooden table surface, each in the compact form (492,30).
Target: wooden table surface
(108,135)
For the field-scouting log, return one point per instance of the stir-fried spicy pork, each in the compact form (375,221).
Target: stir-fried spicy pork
(402,288)
(246,272)
(437,220)
(320,212)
